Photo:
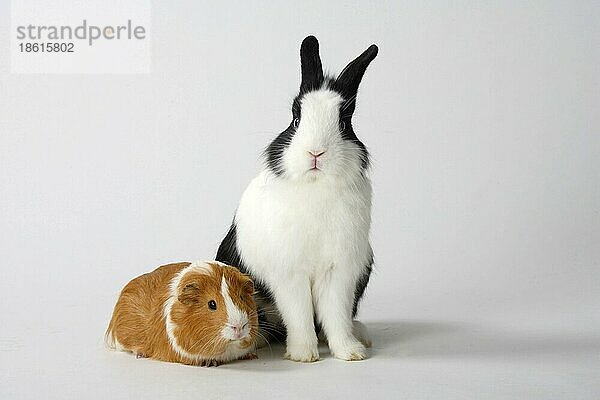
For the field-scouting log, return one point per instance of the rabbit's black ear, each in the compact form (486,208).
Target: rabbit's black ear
(350,77)
(312,71)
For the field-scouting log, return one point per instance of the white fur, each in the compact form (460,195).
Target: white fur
(306,233)
(233,351)
(318,131)
(235,316)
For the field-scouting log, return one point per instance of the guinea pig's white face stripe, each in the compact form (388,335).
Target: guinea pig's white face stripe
(198,267)
(237,326)
(318,132)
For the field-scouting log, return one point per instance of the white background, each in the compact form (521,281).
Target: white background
(483,124)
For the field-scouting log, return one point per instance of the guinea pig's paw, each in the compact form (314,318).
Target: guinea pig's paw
(249,356)
(302,353)
(209,363)
(140,355)
(349,349)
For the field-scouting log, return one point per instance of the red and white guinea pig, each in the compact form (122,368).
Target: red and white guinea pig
(200,313)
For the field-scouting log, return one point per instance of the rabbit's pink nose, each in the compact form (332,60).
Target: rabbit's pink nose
(316,154)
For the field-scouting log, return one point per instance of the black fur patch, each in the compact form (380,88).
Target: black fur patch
(228,253)
(361,285)
(274,152)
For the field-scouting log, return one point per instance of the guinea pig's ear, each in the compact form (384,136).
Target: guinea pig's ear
(312,70)
(247,284)
(350,77)
(189,293)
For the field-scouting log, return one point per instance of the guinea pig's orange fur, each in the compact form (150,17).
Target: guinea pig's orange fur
(164,314)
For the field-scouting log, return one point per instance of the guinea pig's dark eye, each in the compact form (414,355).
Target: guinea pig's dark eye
(342,126)
(212,305)
(296,122)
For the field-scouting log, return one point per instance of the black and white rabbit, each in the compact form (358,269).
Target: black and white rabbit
(302,226)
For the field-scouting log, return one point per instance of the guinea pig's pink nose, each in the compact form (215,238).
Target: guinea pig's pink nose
(237,330)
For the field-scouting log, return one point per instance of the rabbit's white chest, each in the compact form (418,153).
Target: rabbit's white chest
(310,227)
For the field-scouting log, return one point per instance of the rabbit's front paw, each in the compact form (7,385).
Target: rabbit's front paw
(360,332)
(348,349)
(302,352)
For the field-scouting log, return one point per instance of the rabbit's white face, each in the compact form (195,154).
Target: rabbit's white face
(317,148)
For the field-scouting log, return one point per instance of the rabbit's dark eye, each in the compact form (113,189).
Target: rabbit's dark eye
(212,305)
(296,122)
(342,126)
